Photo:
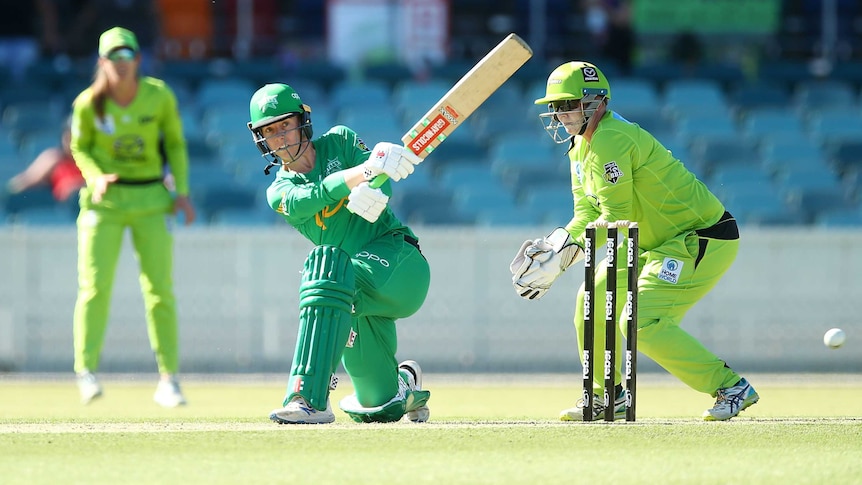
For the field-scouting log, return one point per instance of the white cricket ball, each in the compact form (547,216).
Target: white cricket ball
(834,338)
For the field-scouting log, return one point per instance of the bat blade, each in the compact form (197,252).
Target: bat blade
(480,82)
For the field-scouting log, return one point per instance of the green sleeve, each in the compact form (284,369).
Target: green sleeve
(83,131)
(175,143)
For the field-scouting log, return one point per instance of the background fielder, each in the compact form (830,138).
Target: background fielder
(687,239)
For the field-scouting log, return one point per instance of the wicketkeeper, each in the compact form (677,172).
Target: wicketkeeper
(620,172)
(364,272)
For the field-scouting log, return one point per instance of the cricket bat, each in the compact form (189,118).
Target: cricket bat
(466,95)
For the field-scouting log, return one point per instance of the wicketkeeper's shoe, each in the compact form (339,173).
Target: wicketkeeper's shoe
(168,393)
(411,368)
(577,413)
(88,387)
(731,401)
(297,411)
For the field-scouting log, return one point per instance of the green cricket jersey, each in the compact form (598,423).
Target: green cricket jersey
(315,203)
(626,174)
(126,141)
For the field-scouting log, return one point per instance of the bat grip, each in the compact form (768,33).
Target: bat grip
(379,180)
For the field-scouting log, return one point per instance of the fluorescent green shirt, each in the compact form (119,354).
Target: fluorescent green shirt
(626,174)
(315,203)
(126,141)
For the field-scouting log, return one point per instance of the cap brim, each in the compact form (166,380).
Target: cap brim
(556,97)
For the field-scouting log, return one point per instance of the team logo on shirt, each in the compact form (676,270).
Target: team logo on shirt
(612,172)
(670,270)
(333,165)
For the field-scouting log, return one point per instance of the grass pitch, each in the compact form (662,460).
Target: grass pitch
(483,430)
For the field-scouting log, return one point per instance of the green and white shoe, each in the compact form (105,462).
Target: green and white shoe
(577,413)
(413,373)
(730,401)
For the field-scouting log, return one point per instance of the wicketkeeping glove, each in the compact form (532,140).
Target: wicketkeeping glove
(394,160)
(366,202)
(541,261)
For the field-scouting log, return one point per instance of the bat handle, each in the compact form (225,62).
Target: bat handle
(379,180)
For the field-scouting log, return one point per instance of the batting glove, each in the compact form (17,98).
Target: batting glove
(394,160)
(366,202)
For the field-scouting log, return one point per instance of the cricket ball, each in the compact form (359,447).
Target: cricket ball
(834,338)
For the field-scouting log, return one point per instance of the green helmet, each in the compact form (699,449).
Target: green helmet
(574,80)
(272,103)
(575,86)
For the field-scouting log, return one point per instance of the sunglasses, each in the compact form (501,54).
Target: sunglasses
(565,105)
(121,54)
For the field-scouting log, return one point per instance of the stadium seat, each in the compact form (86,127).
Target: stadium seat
(260,215)
(840,218)
(422,94)
(815,95)
(213,199)
(225,91)
(846,155)
(812,191)
(360,95)
(58,215)
(758,95)
(765,122)
(687,96)
(714,152)
(787,153)
(692,126)
(833,125)
(36,198)
(389,72)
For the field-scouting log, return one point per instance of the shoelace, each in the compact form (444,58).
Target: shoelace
(733,400)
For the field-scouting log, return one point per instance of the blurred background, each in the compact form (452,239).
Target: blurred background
(760,98)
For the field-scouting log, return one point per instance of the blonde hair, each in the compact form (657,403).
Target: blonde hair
(100,90)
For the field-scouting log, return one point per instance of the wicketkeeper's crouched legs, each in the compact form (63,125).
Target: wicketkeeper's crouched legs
(383,393)
(325,301)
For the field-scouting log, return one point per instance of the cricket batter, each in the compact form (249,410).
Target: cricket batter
(364,272)
(687,239)
(117,123)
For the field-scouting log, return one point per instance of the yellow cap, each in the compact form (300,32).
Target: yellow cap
(115,38)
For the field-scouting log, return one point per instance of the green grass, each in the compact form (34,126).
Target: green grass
(496,433)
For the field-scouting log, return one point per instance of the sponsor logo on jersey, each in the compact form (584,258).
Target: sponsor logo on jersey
(612,172)
(351,339)
(670,270)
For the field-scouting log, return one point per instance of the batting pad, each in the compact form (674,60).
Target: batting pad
(325,312)
(406,400)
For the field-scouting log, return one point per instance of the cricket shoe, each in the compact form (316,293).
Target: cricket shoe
(88,387)
(577,413)
(731,401)
(297,411)
(413,372)
(168,393)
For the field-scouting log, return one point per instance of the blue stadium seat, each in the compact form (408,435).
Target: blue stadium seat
(787,153)
(360,94)
(758,95)
(840,218)
(58,215)
(486,202)
(816,95)
(212,199)
(432,206)
(225,92)
(813,191)
(761,207)
(390,72)
(766,122)
(714,152)
(417,93)
(685,96)
(846,155)
(718,124)
(260,215)
(829,126)
(459,177)
(36,198)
